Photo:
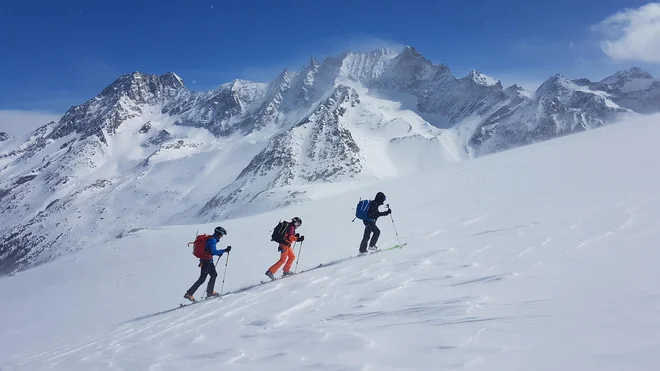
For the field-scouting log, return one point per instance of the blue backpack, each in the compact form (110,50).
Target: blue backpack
(361,211)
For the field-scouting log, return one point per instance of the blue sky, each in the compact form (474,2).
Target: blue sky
(58,54)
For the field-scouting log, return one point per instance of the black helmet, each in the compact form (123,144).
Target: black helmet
(220,231)
(380,197)
(297,221)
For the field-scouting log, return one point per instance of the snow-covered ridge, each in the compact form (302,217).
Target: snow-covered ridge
(365,66)
(482,79)
(634,76)
(634,89)
(565,90)
(148,151)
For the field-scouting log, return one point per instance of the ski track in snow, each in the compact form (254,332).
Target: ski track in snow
(500,273)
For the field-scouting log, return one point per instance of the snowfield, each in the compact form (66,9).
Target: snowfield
(539,258)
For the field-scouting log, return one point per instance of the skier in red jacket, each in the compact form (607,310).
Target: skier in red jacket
(207,268)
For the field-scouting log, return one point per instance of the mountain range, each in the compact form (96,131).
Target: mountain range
(147,151)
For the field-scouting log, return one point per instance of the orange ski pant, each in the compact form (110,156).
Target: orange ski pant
(287,256)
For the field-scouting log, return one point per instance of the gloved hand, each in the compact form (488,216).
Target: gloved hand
(388,212)
(301,238)
(228,249)
(297,235)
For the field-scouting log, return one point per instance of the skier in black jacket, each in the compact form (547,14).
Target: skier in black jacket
(370,226)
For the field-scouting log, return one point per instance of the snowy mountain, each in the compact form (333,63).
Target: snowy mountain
(481,79)
(4,136)
(559,107)
(318,148)
(634,89)
(147,151)
(542,258)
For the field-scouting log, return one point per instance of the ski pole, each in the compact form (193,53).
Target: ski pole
(395,232)
(224,275)
(297,260)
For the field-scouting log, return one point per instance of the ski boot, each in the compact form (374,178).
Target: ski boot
(373,248)
(288,273)
(189,297)
(212,295)
(270,275)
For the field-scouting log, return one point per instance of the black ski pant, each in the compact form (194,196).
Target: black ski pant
(369,228)
(207,269)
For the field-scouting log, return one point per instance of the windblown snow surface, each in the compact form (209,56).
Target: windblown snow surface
(539,258)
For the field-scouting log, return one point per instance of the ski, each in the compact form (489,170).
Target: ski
(203,300)
(380,250)
(389,248)
(295,274)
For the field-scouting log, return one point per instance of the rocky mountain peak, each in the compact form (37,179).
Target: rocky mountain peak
(411,56)
(125,98)
(639,73)
(482,79)
(582,82)
(632,81)
(138,85)
(633,73)
(172,80)
(313,64)
(554,85)
(282,81)
(514,91)
(410,51)
(409,69)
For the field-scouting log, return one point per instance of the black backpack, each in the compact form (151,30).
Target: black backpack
(279,232)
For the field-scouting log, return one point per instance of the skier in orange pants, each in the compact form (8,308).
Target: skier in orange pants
(285,234)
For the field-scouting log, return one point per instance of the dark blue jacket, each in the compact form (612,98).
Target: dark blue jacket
(374,213)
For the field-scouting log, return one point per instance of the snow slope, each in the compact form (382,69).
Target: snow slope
(539,258)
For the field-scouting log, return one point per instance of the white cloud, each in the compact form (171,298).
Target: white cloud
(18,122)
(633,34)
